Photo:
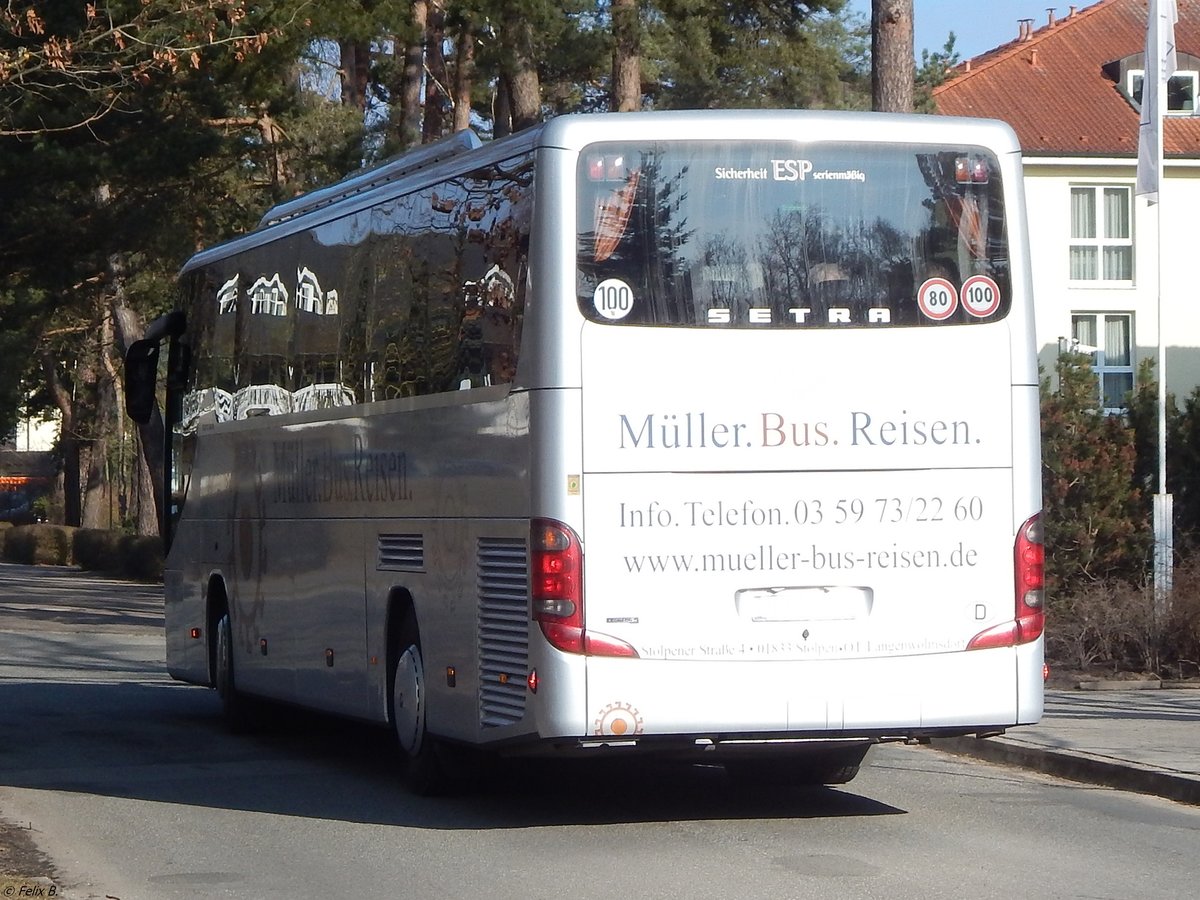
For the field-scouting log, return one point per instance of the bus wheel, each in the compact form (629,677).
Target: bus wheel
(425,774)
(234,706)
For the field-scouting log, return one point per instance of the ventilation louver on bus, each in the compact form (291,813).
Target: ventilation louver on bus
(401,553)
(503,571)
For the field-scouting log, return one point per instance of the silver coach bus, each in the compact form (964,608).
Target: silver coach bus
(702,434)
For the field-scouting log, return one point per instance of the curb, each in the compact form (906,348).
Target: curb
(1149,685)
(1078,766)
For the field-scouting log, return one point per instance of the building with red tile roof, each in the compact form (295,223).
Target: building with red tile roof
(1070,88)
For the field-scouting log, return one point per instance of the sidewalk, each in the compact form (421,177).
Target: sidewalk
(1146,741)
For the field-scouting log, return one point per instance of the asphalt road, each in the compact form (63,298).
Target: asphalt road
(132,789)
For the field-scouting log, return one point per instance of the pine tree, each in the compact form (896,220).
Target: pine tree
(1094,521)
(756,54)
(892,74)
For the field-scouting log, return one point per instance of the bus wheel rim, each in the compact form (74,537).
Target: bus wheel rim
(409,694)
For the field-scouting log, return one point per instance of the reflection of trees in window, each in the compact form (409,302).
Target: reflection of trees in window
(404,263)
(666,227)
(326,262)
(441,254)
(354,308)
(210,331)
(785,263)
(448,254)
(819,262)
(725,274)
(880,265)
(266,320)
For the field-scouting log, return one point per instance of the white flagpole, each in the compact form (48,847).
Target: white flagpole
(1160,65)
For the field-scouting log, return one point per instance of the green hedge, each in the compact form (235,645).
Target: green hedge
(98,550)
(93,549)
(39,545)
(142,557)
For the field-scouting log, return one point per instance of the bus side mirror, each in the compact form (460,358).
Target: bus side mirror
(141,379)
(141,365)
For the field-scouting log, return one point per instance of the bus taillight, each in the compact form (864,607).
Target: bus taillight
(557,573)
(556,588)
(1031,580)
(1029,560)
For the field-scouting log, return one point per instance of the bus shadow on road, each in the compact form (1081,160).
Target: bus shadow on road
(166,743)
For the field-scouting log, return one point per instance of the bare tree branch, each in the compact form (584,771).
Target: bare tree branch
(95,66)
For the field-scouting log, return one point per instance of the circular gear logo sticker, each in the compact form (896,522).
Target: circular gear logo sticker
(618,720)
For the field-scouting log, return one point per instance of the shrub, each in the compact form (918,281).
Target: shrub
(98,550)
(141,557)
(1181,637)
(39,545)
(1110,624)
(131,556)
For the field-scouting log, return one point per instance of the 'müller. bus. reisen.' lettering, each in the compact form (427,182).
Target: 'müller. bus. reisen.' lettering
(701,431)
(316,473)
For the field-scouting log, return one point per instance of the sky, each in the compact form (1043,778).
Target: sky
(978,25)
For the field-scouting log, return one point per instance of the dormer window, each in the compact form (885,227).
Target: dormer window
(1181,91)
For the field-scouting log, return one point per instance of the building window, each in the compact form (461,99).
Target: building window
(1108,337)
(1181,91)
(1102,234)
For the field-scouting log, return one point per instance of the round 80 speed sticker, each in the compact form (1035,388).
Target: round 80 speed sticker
(937,299)
(980,296)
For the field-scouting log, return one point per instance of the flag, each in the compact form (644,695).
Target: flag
(1160,66)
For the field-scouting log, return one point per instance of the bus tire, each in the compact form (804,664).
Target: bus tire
(235,707)
(424,771)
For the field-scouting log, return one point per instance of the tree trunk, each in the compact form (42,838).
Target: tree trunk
(464,77)
(409,132)
(97,490)
(68,436)
(626,75)
(502,109)
(525,92)
(892,66)
(355,72)
(436,97)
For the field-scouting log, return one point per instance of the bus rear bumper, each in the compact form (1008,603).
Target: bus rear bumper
(888,698)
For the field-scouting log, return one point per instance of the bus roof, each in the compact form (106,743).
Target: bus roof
(431,162)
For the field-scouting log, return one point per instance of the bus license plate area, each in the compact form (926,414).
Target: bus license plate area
(819,603)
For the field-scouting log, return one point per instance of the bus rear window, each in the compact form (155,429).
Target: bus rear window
(786,235)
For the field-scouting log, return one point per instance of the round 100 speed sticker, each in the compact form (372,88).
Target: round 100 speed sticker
(937,299)
(613,299)
(980,296)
